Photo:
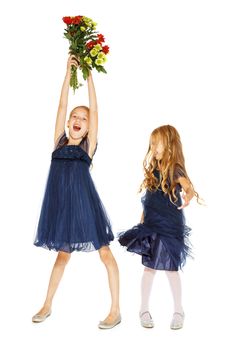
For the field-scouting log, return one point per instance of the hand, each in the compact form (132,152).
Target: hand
(186,201)
(72,61)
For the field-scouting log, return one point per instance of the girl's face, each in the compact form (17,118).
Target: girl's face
(78,123)
(157,148)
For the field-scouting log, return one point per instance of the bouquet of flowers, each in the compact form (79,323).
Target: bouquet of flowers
(87,45)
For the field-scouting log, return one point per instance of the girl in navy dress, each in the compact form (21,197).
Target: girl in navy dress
(162,236)
(72,216)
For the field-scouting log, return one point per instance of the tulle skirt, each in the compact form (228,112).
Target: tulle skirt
(163,238)
(72,215)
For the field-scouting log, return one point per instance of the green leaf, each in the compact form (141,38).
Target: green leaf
(68,36)
(103,70)
(85,73)
(100,69)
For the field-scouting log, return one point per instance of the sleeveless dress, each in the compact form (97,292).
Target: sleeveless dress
(162,239)
(72,215)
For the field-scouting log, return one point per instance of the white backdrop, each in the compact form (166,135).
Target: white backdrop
(170,62)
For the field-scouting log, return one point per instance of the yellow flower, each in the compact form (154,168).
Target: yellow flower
(87,21)
(94,24)
(99,62)
(93,52)
(83,29)
(98,47)
(88,60)
(102,56)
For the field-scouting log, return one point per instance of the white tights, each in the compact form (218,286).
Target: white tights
(146,286)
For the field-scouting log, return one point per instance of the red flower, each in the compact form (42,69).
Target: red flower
(72,20)
(81,41)
(67,20)
(101,38)
(105,49)
(91,44)
(77,19)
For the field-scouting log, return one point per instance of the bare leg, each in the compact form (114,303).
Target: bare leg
(55,278)
(113,278)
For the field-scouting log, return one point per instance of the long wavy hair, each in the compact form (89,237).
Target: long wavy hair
(170,166)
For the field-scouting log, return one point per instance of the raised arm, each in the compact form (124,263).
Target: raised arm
(62,108)
(93,114)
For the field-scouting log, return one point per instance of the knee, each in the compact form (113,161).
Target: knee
(62,259)
(106,255)
(149,270)
(172,274)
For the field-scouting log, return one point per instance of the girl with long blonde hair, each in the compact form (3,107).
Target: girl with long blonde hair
(162,236)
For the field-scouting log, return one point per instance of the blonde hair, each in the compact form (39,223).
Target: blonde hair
(84,107)
(171,165)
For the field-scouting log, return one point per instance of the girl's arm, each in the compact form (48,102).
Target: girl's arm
(62,108)
(188,189)
(93,114)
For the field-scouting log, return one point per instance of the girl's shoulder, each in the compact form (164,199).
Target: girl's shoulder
(178,172)
(84,144)
(61,141)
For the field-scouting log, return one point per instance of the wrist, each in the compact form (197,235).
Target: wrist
(68,74)
(89,75)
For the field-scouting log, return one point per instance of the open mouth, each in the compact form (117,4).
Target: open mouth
(76,128)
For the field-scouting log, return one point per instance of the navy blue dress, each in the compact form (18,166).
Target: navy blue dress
(72,215)
(162,239)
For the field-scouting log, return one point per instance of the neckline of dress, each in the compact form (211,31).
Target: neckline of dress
(80,148)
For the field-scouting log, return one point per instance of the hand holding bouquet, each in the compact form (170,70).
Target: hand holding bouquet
(86,45)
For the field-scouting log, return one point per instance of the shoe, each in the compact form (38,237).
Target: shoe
(40,318)
(177,320)
(105,325)
(146,322)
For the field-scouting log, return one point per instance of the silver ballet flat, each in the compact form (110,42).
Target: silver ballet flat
(40,318)
(177,320)
(147,323)
(105,325)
